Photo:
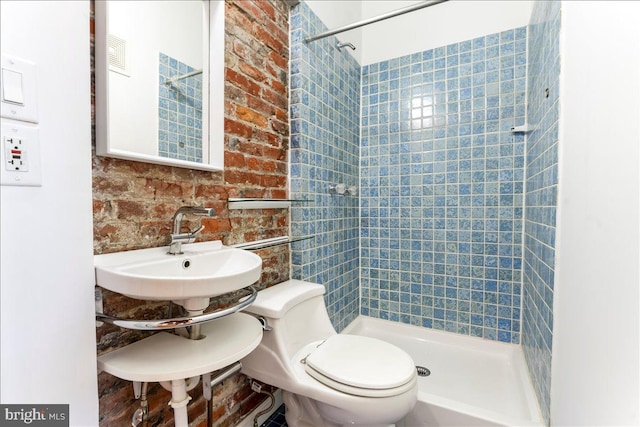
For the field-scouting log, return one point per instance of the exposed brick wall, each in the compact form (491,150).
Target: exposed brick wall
(133,202)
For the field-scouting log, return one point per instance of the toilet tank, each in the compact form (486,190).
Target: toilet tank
(296,311)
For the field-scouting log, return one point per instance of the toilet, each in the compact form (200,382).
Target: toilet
(327,379)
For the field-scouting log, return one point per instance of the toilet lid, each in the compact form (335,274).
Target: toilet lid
(351,362)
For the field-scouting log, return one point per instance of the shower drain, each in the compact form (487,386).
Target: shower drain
(422,371)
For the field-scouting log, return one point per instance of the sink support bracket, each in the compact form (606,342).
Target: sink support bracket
(179,322)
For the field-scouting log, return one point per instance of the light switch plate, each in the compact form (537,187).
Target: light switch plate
(26,111)
(20,162)
(12,91)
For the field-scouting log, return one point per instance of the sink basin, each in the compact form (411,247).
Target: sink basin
(204,270)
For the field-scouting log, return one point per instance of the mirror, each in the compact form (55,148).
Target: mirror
(160,82)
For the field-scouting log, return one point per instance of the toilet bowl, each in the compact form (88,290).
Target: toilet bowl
(328,379)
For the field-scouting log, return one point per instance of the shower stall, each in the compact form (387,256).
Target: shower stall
(448,121)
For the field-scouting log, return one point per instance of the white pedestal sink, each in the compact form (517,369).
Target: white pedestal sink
(190,279)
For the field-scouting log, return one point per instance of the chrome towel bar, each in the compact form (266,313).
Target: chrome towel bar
(179,322)
(268,243)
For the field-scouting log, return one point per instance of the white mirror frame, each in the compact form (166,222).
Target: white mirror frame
(213,133)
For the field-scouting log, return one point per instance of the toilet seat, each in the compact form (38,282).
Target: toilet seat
(361,366)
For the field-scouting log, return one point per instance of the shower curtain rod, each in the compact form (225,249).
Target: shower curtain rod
(170,82)
(378,18)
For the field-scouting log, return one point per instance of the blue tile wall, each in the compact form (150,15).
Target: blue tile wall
(325,108)
(443,239)
(541,196)
(179,112)
(441,179)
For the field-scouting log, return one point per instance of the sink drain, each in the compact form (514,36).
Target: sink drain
(422,371)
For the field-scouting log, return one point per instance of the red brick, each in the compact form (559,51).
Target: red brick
(111,185)
(253,163)
(278,86)
(270,166)
(163,210)
(278,60)
(99,206)
(278,194)
(128,209)
(281,167)
(236,94)
(255,193)
(216,225)
(275,98)
(274,181)
(165,188)
(249,147)
(249,7)
(233,159)
(234,16)
(252,72)
(236,128)
(267,9)
(260,106)
(274,153)
(281,127)
(267,136)
(269,40)
(242,82)
(282,115)
(281,34)
(257,164)
(239,177)
(210,190)
(251,116)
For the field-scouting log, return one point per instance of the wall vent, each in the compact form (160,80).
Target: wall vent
(118,55)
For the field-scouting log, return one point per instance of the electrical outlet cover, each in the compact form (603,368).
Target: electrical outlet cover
(20,141)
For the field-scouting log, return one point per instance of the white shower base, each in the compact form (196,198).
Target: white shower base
(473,382)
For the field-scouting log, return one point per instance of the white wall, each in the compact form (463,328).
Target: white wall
(595,362)
(170,27)
(424,29)
(435,26)
(47,339)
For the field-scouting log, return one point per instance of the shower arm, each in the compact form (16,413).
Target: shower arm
(340,46)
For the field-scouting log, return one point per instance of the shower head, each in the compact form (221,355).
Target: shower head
(345,44)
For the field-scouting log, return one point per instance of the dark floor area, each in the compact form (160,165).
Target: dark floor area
(276,419)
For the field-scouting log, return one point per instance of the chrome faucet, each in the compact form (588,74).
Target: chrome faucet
(177,237)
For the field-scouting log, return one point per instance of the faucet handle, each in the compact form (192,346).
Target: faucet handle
(197,231)
(177,237)
(189,237)
(194,210)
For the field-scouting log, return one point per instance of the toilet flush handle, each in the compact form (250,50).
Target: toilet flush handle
(264,323)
